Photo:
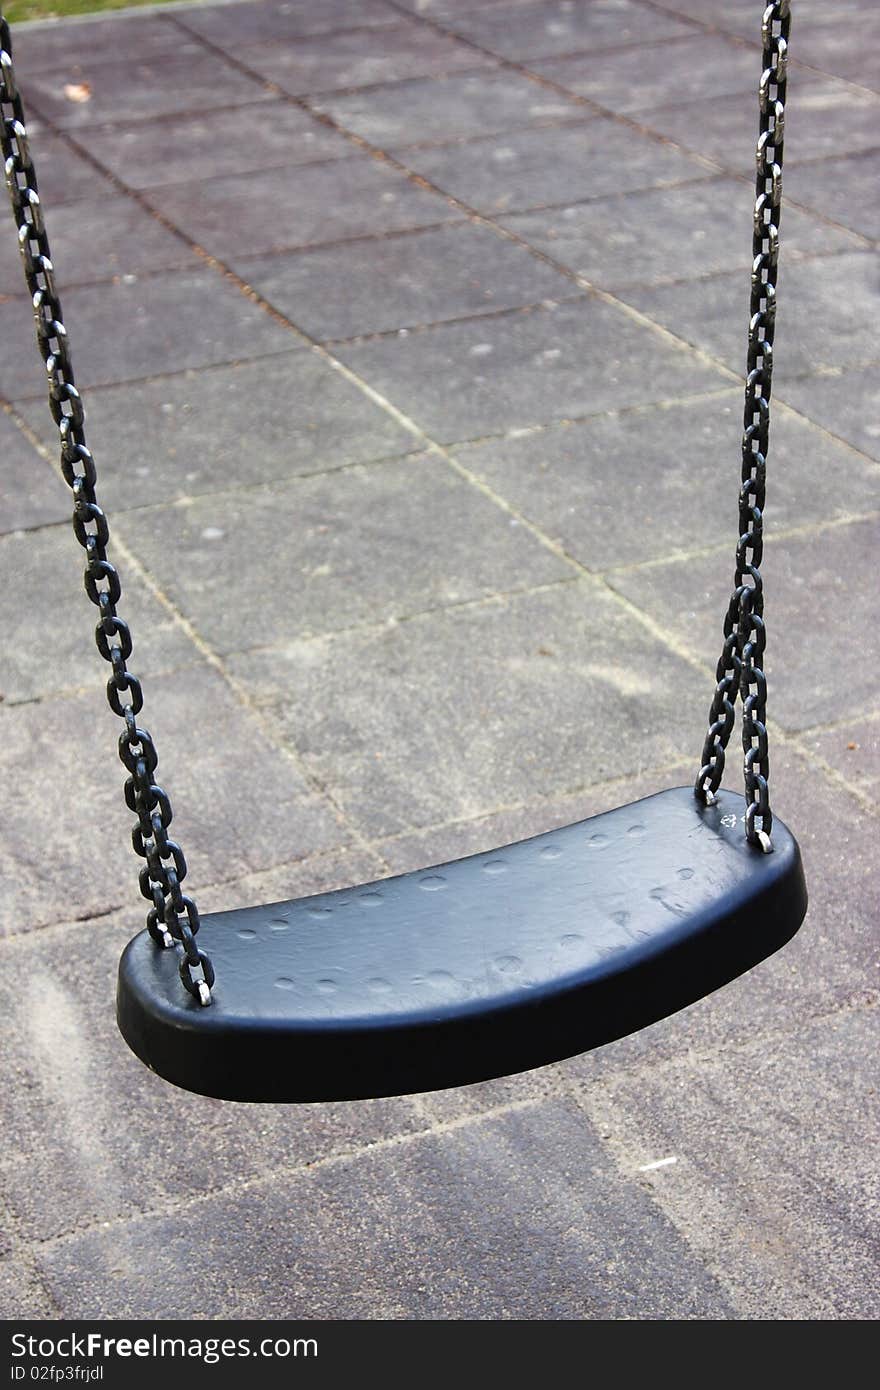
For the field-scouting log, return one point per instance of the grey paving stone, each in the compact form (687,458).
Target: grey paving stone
(555,164)
(447,108)
(79,1103)
(135,328)
(738,16)
(802,1112)
(538,31)
(56,44)
(460,381)
(821,116)
(188,148)
(442,10)
(21,1293)
(706,66)
(819,599)
(363,545)
(620,489)
(66,845)
(827,309)
(666,234)
(520,1215)
(31,494)
(376,285)
(847,403)
(64,177)
(139,89)
(853,749)
(122,240)
(521,704)
(268,20)
(206,431)
(43,593)
(843,189)
(277,210)
(847,49)
(359,58)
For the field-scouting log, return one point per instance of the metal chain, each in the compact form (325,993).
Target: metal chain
(173,916)
(740,668)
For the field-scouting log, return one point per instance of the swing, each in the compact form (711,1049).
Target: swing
(488,965)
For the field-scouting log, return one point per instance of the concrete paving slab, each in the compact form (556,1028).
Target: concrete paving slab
(816,584)
(526,32)
(276,210)
(126,241)
(275,134)
(843,189)
(738,16)
(377,285)
(846,48)
(584,484)
(125,1140)
(45,586)
(58,852)
(31,494)
(846,402)
(137,327)
(853,747)
(825,311)
(490,719)
(447,108)
(803,1244)
(315,546)
(59,46)
(652,74)
(223,427)
(559,164)
(462,381)
(359,58)
(536,696)
(519,1215)
(64,177)
(264,21)
(669,234)
(817,110)
(134,89)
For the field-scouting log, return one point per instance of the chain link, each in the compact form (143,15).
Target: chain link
(741,665)
(173,916)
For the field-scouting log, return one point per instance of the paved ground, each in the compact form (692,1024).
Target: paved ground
(411,335)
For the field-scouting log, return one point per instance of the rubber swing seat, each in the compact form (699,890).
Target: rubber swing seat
(482,967)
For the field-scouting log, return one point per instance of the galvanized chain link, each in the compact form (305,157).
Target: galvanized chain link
(740,668)
(173,916)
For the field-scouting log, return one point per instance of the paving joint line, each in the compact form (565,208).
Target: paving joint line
(631,121)
(802,531)
(672,340)
(240,692)
(403,1139)
(713,28)
(303,1168)
(65,923)
(838,725)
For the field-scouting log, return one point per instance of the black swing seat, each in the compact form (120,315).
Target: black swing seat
(482,967)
